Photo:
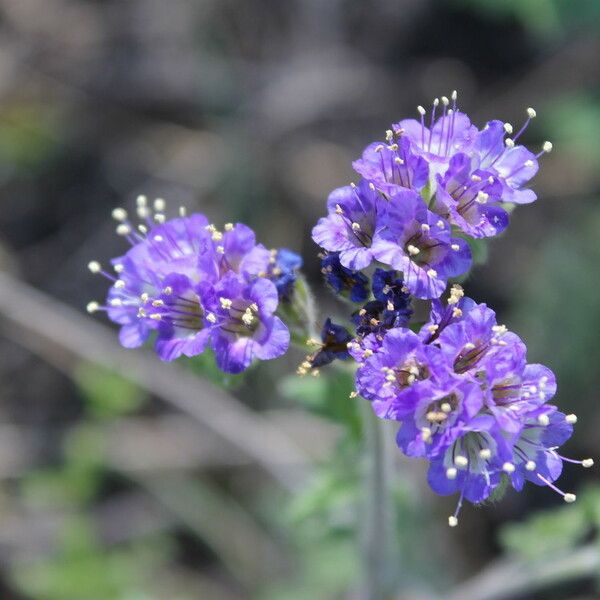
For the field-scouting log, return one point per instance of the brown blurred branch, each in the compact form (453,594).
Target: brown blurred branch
(64,337)
(517,578)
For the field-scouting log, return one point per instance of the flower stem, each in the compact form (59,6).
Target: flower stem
(378,532)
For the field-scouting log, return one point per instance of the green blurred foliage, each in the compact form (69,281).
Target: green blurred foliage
(551,532)
(575,121)
(81,569)
(107,395)
(29,135)
(541,16)
(560,329)
(327,395)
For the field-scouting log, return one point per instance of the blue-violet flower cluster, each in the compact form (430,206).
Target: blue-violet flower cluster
(194,286)
(460,384)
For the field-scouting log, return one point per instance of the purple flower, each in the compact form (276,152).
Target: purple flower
(441,410)
(333,346)
(178,309)
(345,282)
(418,243)
(194,286)
(243,325)
(470,198)
(513,165)
(283,272)
(472,464)
(452,132)
(352,225)
(392,166)
(399,369)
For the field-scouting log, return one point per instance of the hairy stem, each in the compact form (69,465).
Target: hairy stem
(378,532)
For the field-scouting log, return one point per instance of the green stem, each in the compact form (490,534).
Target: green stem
(378,533)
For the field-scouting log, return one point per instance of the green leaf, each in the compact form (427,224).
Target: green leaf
(545,533)
(107,394)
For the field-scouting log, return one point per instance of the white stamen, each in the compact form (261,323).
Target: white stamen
(228,227)
(425,227)
(455,247)
(160,205)
(547,147)
(158,238)
(432,273)
(508,467)
(485,453)
(225,303)
(168,290)
(482,197)
(141,201)
(119,214)
(571,419)
(446,407)
(528,163)
(451,473)
(454,95)
(355,227)
(508,128)
(509,143)
(92,307)
(436,102)
(116,302)
(119,284)
(211,318)
(445,101)
(440,224)
(160,218)
(531,113)
(586,463)
(421,110)
(143,212)
(182,211)
(123,229)
(544,420)
(119,268)
(570,498)
(156,317)
(461,461)
(94,266)
(530,465)
(412,250)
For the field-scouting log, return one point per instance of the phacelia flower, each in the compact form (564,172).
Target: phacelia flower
(390,308)
(195,286)
(243,324)
(283,271)
(418,243)
(401,366)
(349,284)
(392,165)
(467,401)
(352,225)
(333,346)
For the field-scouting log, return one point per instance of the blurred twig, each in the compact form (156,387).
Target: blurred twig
(515,578)
(64,337)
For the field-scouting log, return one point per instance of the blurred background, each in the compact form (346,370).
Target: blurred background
(124,479)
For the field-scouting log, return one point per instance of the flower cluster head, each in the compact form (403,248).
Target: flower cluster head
(468,401)
(194,286)
(460,385)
